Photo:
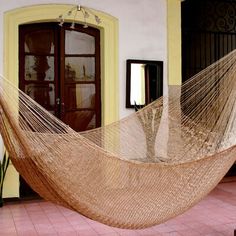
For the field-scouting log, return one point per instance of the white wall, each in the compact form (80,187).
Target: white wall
(142,31)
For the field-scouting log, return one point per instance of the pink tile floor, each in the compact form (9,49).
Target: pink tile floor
(213,216)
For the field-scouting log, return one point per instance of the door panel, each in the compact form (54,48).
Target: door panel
(80,106)
(44,94)
(81,96)
(79,43)
(80,68)
(38,64)
(87,119)
(34,65)
(39,41)
(81,102)
(60,69)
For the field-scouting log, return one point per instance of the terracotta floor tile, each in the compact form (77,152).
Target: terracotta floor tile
(76,223)
(8,222)
(127,233)
(148,231)
(110,234)
(68,233)
(45,229)
(81,227)
(88,232)
(27,232)
(174,233)
(47,234)
(100,229)
(215,215)
(164,229)
(189,233)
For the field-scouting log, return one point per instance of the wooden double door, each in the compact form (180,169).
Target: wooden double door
(59,68)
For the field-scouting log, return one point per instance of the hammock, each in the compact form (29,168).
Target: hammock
(139,171)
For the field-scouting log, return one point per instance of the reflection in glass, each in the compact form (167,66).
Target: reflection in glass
(39,68)
(92,123)
(137,91)
(144,82)
(87,120)
(44,94)
(79,43)
(81,96)
(40,41)
(80,68)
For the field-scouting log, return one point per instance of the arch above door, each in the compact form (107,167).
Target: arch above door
(109,61)
(49,13)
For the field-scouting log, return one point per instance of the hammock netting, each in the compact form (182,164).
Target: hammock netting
(139,171)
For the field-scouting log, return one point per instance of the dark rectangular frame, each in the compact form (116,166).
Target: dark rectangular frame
(128,77)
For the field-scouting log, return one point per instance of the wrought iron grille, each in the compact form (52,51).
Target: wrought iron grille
(208,33)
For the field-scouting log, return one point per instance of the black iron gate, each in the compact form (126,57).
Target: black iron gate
(208,33)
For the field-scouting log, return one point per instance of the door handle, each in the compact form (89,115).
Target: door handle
(58,101)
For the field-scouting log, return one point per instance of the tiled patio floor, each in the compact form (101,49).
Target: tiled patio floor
(213,216)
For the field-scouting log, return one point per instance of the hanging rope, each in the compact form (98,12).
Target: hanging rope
(136,172)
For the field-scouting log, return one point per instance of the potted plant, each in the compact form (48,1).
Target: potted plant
(4,162)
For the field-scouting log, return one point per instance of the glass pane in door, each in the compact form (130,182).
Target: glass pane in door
(80,68)
(81,120)
(80,96)
(39,41)
(79,43)
(43,93)
(39,68)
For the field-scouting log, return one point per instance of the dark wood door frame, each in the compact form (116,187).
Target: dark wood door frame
(59,72)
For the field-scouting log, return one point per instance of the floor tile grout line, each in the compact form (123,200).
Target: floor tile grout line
(28,217)
(13,221)
(60,210)
(212,222)
(48,219)
(31,220)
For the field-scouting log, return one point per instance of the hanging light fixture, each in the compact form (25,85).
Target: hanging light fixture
(75,11)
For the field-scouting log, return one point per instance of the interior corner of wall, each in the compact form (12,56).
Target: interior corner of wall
(174,42)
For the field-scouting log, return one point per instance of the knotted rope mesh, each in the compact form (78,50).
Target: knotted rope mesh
(136,172)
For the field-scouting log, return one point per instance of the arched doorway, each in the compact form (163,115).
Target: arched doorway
(59,68)
(109,59)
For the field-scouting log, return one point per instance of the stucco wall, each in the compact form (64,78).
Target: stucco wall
(142,35)
(142,31)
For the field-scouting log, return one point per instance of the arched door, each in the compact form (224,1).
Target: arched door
(59,68)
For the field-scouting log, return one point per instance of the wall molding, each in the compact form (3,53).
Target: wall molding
(49,13)
(109,61)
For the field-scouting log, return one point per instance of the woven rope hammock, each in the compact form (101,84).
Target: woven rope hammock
(139,171)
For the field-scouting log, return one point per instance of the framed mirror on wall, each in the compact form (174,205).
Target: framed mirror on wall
(144,82)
